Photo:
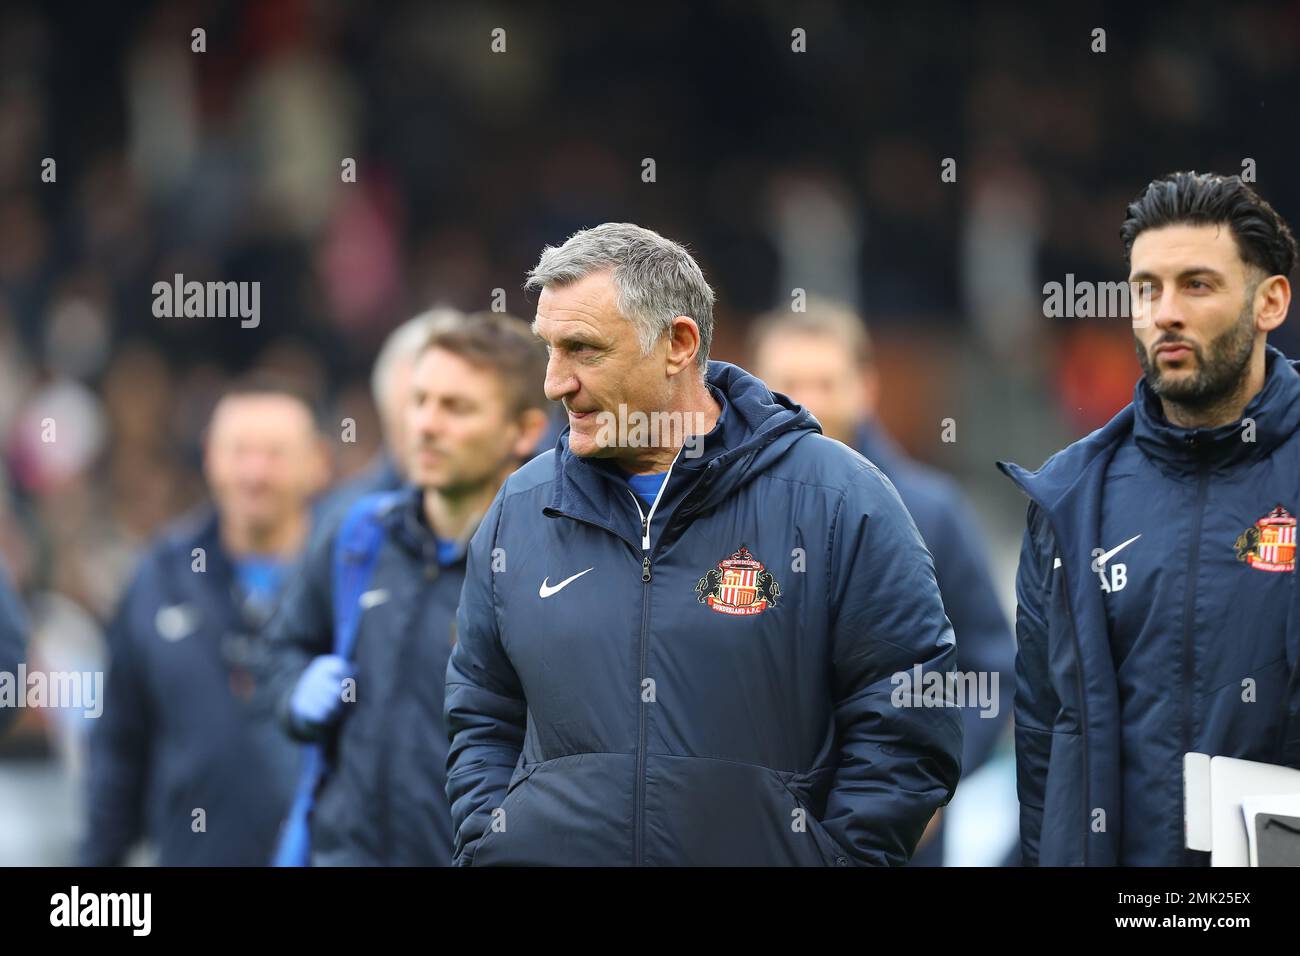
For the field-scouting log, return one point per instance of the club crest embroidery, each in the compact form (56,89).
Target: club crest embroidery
(739,585)
(1269,544)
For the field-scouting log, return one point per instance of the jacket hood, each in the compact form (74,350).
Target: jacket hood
(756,428)
(1273,416)
(1275,412)
(403,515)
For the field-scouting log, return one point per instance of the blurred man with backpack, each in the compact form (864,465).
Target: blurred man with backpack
(362,641)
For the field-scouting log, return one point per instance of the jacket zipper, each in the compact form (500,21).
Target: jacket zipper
(647,556)
(1189,611)
(638,806)
(638,835)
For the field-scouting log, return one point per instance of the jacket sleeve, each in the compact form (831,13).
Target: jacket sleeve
(984,641)
(1036,702)
(301,629)
(118,758)
(13,640)
(485,709)
(897,764)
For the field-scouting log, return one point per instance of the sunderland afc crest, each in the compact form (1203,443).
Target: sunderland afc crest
(739,585)
(1269,544)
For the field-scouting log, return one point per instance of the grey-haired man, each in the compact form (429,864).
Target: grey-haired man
(680,629)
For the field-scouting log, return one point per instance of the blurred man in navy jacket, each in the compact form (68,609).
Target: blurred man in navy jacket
(822,358)
(187,752)
(474,411)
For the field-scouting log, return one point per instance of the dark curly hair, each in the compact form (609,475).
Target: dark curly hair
(1263,238)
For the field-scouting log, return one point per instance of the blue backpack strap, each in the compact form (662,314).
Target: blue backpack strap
(356,550)
(355,553)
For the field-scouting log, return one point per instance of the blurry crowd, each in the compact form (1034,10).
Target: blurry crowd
(780,170)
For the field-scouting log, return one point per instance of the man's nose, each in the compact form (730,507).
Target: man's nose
(1167,312)
(257,468)
(428,420)
(560,380)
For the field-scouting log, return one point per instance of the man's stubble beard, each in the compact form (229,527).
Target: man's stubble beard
(1221,368)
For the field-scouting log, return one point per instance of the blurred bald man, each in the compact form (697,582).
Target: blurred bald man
(390,383)
(823,359)
(187,752)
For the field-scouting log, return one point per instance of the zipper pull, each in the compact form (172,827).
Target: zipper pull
(645,568)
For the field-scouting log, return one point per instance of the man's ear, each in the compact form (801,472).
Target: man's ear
(1272,299)
(532,423)
(683,344)
(870,391)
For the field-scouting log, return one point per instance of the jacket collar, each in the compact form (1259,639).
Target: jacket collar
(756,427)
(874,444)
(1271,416)
(1275,411)
(409,528)
(207,535)
(216,588)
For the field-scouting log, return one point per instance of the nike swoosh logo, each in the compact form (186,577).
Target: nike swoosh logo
(1103,558)
(547,590)
(373,598)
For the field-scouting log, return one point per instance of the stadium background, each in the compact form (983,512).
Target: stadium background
(818,170)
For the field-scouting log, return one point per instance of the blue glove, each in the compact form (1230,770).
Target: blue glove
(319,694)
